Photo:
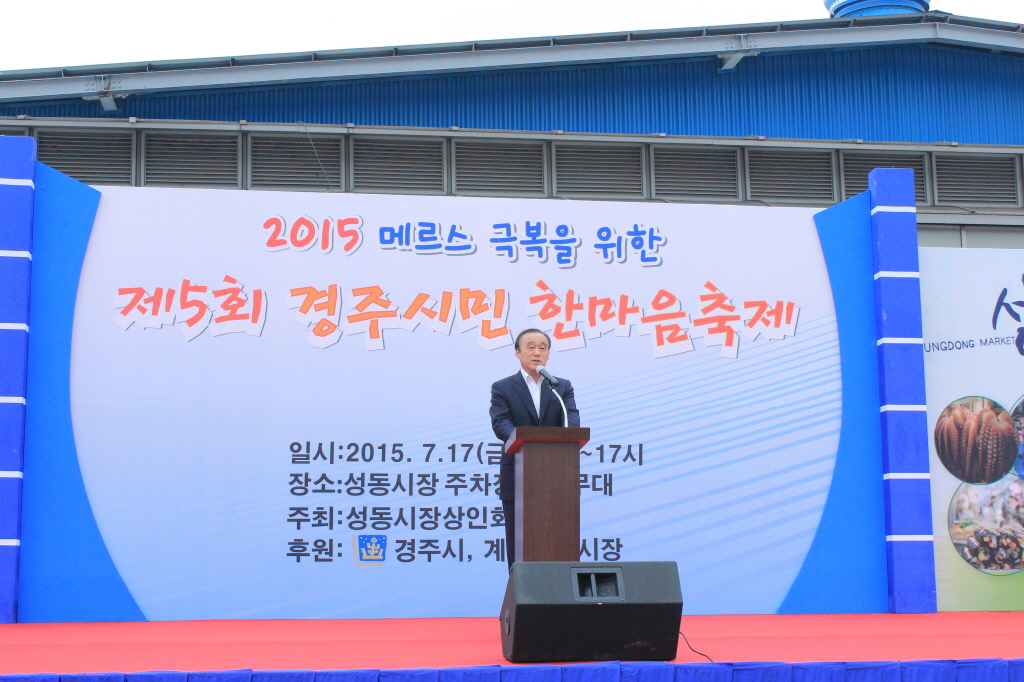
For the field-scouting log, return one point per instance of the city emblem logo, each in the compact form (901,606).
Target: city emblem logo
(370,549)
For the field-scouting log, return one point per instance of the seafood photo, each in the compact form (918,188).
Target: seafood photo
(976,440)
(986,525)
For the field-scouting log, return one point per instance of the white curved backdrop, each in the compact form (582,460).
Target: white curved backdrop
(185,437)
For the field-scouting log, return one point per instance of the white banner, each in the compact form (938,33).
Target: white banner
(972,302)
(280,399)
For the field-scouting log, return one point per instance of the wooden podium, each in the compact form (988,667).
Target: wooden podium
(547,491)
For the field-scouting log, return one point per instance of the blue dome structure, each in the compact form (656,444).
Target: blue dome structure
(862,8)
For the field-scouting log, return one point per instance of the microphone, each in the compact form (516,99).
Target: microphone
(543,371)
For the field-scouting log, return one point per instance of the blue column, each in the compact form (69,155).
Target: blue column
(17,196)
(906,478)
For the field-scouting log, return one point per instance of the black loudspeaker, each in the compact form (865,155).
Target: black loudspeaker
(565,611)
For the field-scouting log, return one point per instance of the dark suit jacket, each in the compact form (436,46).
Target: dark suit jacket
(512,406)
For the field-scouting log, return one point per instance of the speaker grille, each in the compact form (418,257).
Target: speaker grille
(591,611)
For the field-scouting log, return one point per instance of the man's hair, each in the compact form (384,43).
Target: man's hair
(532,331)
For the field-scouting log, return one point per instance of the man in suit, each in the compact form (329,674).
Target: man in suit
(524,399)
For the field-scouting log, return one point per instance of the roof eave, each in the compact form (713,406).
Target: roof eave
(120,80)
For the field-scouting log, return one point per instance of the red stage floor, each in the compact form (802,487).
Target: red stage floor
(451,642)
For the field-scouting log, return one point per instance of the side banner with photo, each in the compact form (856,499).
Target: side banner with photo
(280,400)
(972,302)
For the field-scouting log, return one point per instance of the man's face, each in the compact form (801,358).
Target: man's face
(533,352)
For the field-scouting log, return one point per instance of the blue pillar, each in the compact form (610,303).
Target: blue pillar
(906,478)
(17,196)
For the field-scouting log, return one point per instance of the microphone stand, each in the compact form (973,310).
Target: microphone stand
(565,412)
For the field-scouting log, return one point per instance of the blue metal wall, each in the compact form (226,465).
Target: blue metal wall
(913,94)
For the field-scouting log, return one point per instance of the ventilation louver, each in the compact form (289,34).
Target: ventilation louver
(968,179)
(856,167)
(16,132)
(192,160)
(608,170)
(397,165)
(92,158)
(696,172)
(296,163)
(791,176)
(499,168)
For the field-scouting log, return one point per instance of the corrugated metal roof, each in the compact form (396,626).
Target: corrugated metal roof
(730,43)
(909,94)
(506,44)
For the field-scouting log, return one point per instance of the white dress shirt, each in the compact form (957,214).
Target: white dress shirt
(534,387)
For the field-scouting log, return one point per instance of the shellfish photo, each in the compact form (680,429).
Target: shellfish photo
(976,440)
